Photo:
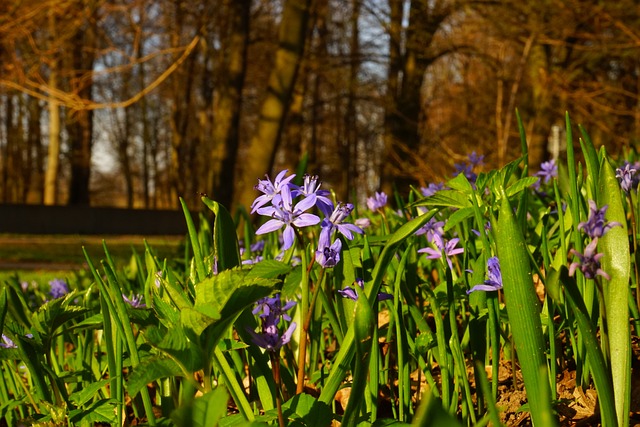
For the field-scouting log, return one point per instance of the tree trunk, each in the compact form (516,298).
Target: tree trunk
(264,144)
(80,124)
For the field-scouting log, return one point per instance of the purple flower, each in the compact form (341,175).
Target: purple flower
(626,176)
(329,256)
(136,301)
(253,260)
(58,288)
(431,189)
(285,214)
(349,292)
(548,170)
(448,248)
(476,160)
(494,280)
(378,201)
(272,311)
(589,262)
(270,189)
(467,170)
(310,189)
(257,246)
(362,222)
(352,293)
(270,338)
(6,342)
(595,225)
(336,222)
(273,306)
(431,228)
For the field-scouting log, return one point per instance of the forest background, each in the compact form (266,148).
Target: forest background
(132,103)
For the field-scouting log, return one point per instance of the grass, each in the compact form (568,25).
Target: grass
(67,249)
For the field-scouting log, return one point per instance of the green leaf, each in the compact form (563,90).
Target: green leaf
(101,411)
(225,239)
(520,185)
(597,363)
(57,312)
(446,198)
(231,291)
(175,344)
(291,286)
(308,410)
(87,393)
(617,263)
(523,309)
(458,216)
(210,408)
(347,349)
(195,244)
(363,331)
(150,370)
(269,269)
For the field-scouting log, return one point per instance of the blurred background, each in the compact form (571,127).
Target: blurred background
(133,103)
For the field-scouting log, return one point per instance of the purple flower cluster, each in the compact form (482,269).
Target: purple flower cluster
(271,311)
(377,201)
(58,288)
(595,227)
(627,176)
(277,202)
(548,170)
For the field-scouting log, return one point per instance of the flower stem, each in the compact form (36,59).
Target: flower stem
(275,362)
(306,316)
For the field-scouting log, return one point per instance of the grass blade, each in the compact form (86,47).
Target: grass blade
(523,310)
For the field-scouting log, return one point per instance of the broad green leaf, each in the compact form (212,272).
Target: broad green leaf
(231,291)
(446,198)
(460,183)
(87,393)
(458,216)
(210,408)
(617,263)
(524,313)
(291,286)
(520,185)
(269,269)
(101,411)
(151,370)
(197,321)
(175,344)
(308,410)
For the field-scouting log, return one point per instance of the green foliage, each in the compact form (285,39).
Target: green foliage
(185,355)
